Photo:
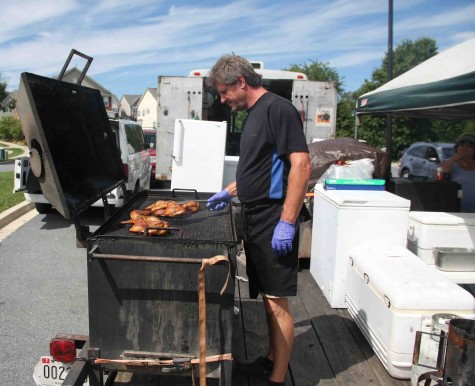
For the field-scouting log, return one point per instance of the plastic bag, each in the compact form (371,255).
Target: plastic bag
(362,168)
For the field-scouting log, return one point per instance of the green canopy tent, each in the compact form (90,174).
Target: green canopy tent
(441,87)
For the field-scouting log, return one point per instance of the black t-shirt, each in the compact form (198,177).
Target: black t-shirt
(272,129)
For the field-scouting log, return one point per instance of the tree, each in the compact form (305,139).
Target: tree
(320,71)
(405,130)
(3,91)
(345,117)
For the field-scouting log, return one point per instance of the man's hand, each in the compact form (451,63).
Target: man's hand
(219,200)
(282,239)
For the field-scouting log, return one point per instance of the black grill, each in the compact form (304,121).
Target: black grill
(203,226)
(143,290)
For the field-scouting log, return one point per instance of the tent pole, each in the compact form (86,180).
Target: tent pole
(389,144)
(389,121)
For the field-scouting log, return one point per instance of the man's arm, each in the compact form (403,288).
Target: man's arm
(232,189)
(297,184)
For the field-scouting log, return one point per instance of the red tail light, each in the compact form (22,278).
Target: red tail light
(196,73)
(62,350)
(299,76)
(126,170)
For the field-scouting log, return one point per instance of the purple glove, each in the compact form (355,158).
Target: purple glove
(219,200)
(282,239)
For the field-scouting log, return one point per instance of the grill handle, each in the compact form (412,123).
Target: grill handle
(145,259)
(175,190)
(86,66)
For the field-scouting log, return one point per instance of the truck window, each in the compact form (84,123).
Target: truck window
(135,137)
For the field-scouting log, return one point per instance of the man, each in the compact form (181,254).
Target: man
(271,183)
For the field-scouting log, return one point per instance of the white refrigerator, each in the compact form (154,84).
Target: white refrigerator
(344,219)
(198,155)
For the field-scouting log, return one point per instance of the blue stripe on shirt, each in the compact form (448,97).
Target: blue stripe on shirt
(277,177)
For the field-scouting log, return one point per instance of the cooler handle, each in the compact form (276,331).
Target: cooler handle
(178,143)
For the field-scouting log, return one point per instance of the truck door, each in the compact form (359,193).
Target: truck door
(316,102)
(178,98)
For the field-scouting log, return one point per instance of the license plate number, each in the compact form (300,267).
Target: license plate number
(48,372)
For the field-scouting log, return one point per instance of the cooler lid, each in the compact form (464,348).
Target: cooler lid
(443,218)
(73,151)
(405,282)
(362,198)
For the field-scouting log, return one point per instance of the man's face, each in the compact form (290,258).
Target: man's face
(233,95)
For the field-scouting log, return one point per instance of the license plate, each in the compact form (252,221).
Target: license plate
(49,372)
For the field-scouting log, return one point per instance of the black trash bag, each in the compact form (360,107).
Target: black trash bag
(329,151)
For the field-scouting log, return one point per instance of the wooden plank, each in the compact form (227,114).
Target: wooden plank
(308,364)
(345,357)
(371,357)
(135,379)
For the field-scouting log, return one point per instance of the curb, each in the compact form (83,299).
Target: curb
(11,214)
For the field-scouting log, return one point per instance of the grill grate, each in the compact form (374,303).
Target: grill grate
(202,226)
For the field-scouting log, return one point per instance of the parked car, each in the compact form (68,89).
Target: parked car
(422,159)
(150,136)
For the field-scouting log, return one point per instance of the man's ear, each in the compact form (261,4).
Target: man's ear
(242,82)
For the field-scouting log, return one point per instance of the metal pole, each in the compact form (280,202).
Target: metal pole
(389,123)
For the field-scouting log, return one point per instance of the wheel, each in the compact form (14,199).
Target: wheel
(405,173)
(43,208)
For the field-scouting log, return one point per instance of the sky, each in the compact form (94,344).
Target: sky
(134,42)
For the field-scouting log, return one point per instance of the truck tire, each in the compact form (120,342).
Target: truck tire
(43,208)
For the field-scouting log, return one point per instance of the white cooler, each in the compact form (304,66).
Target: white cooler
(391,294)
(344,219)
(428,231)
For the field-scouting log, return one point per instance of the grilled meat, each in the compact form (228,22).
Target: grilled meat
(172,208)
(139,213)
(146,224)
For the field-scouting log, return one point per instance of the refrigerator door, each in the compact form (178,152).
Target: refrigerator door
(198,155)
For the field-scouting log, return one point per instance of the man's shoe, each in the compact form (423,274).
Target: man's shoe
(260,368)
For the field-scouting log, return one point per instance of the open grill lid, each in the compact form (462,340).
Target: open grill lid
(73,151)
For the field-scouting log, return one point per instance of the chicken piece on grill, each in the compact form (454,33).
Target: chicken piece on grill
(145,224)
(139,213)
(174,209)
(171,210)
(191,206)
(160,204)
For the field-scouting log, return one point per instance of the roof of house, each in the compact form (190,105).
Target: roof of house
(132,99)
(152,91)
(69,75)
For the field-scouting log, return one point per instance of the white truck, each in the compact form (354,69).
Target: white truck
(188,97)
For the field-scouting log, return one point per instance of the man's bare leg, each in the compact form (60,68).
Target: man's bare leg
(281,335)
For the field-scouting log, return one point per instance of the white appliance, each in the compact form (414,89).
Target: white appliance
(344,219)
(391,294)
(198,155)
(428,231)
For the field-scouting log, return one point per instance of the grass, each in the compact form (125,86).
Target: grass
(8,199)
(11,150)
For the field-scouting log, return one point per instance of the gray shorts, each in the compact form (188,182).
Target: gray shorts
(268,273)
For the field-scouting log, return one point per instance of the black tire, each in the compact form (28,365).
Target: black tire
(405,173)
(43,208)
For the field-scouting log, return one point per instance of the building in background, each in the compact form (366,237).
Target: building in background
(147,109)
(128,106)
(111,102)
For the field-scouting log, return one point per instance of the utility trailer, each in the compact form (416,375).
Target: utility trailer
(188,97)
(158,305)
